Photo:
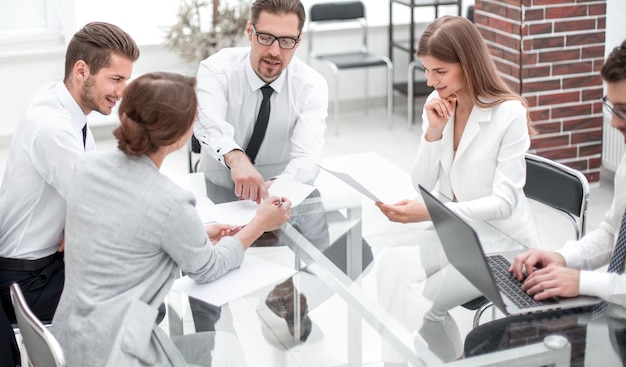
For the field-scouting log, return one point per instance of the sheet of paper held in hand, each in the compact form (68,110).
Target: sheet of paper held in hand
(353,183)
(253,274)
(240,212)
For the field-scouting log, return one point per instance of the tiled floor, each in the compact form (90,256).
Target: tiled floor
(263,336)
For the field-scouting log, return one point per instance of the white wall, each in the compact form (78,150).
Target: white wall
(24,71)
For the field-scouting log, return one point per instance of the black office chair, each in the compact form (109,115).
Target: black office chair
(348,11)
(557,186)
(194,148)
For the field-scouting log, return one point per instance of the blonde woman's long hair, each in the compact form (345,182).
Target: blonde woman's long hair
(455,39)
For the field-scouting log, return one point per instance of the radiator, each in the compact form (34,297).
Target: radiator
(613,146)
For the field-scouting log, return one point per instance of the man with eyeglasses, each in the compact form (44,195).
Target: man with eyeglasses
(231,88)
(229,91)
(567,272)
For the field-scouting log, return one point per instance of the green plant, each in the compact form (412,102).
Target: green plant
(202,29)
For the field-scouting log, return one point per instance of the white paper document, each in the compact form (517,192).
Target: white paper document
(253,274)
(240,212)
(353,183)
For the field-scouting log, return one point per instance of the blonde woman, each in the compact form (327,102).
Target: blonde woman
(475,133)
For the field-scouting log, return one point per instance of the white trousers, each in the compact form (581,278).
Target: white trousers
(400,272)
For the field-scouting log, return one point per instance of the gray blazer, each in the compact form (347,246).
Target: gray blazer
(129,230)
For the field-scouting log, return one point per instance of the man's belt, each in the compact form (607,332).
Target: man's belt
(27,265)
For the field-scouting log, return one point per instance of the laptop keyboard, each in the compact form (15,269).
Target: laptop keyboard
(510,286)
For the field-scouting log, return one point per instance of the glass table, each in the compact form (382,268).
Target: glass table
(355,315)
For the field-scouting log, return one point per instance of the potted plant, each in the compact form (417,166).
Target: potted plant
(206,26)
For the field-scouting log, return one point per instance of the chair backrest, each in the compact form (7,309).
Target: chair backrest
(41,346)
(340,11)
(559,187)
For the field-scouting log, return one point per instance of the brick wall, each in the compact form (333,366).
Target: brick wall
(551,52)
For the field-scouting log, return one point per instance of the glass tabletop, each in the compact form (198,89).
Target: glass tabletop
(328,242)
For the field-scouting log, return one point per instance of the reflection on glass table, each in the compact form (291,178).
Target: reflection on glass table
(355,315)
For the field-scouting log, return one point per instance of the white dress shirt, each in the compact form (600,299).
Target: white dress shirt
(594,250)
(230,97)
(46,144)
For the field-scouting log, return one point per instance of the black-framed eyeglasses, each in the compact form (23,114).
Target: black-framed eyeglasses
(618,112)
(267,39)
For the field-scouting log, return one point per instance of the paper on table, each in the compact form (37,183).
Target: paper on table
(352,182)
(240,212)
(253,274)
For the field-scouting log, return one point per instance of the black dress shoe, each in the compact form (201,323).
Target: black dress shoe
(281,302)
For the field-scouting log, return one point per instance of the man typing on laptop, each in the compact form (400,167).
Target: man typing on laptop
(559,274)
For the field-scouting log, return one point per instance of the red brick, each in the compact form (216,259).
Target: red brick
(590,80)
(548,127)
(592,94)
(597,64)
(536,72)
(597,9)
(566,11)
(582,123)
(504,25)
(487,34)
(508,41)
(531,101)
(546,85)
(548,42)
(575,67)
(550,2)
(529,58)
(494,8)
(593,176)
(572,111)
(559,98)
(539,114)
(587,137)
(549,142)
(562,153)
(595,162)
(575,25)
(564,55)
(514,13)
(534,14)
(541,28)
(592,149)
(601,23)
(512,84)
(509,2)
(580,164)
(506,68)
(592,52)
(586,38)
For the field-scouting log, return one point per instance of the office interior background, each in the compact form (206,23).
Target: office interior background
(34,34)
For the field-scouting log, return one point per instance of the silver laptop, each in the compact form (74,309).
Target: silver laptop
(488,273)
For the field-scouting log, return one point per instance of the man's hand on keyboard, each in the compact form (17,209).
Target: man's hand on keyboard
(552,281)
(527,263)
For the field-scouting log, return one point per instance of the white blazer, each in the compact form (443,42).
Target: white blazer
(487,174)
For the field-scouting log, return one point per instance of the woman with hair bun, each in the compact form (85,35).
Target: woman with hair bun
(129,231)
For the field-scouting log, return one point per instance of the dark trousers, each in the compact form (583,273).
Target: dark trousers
(42,289)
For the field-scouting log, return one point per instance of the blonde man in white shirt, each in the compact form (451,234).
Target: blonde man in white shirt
(50,137)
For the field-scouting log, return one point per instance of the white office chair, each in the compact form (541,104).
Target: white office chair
(41,346)
(557,186)
(343,12)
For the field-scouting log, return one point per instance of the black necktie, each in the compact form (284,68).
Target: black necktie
(261,124)
(616,264)
(85,136)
